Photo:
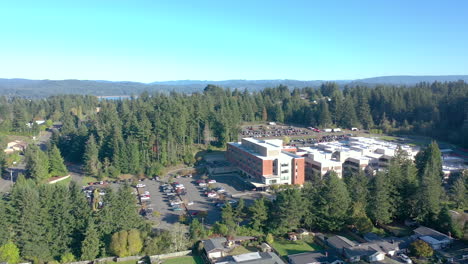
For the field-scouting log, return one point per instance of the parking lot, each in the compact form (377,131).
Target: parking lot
(299,136)
(196,203)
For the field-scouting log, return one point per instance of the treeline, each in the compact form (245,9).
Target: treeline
(407,191)
(55,223)
(144,134)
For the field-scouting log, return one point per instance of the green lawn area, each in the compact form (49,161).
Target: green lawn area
(398,230)
(239,250)
(286,247)
(184,260)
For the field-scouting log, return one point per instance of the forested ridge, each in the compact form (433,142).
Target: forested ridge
(141,135)
(163,129)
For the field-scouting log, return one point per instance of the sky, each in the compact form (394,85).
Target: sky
(147,41)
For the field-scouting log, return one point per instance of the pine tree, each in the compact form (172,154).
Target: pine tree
(5,227)
(430,191)
(37,163)
(264,114)
(196,230)
(228,217)
(324,114)
(332,204)
(459,193)
(258,214)
(364,113)
(379,208)
(91,157)
(56,165)
(288,211)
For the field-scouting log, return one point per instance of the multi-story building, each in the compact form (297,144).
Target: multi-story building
(266,161)
(358,153)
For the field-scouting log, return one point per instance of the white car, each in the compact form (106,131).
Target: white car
(141,185)
(406,259)
(202,184)
(145,198)
(176,203)
(212,195)
(190,203)
(211,181)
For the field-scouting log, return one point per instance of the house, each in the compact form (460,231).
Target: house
(215,247)
(252,258)
(435,239)
(369,252)
(389,246)
(16,145)
(315,257)
(354,252)
(339,243)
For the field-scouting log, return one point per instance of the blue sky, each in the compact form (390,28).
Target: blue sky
(243,39)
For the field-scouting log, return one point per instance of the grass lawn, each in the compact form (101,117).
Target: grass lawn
(239,250)
(286,247)
(398,230)
(184,260)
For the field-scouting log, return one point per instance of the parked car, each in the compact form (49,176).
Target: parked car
(175,203)
(200,181)
(141,185)
(145,198)
(202,184)
(211,181)
(190,203)
(232,201)
(177,209)
(171,194)
(405,259)
(212,195)
(220,190)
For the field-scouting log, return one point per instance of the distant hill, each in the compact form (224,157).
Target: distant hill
(43,88)
(410,80)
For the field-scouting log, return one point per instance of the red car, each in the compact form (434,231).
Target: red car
(200,181)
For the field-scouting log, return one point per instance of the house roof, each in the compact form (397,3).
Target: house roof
(340,242)
(387,246)
(311,257)
(369,237)
(213,244)
(367,249)
(253,258)
(426,231)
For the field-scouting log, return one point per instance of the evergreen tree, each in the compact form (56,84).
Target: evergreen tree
(37,163)
(197,230)
(258,214)
(90,157)
(5,227)
(56,166)
(288,211)
(324,114)
(331,204)
(430,190)
(459,193)
(90,246)
(228,217)
(379,208)
(364,113)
